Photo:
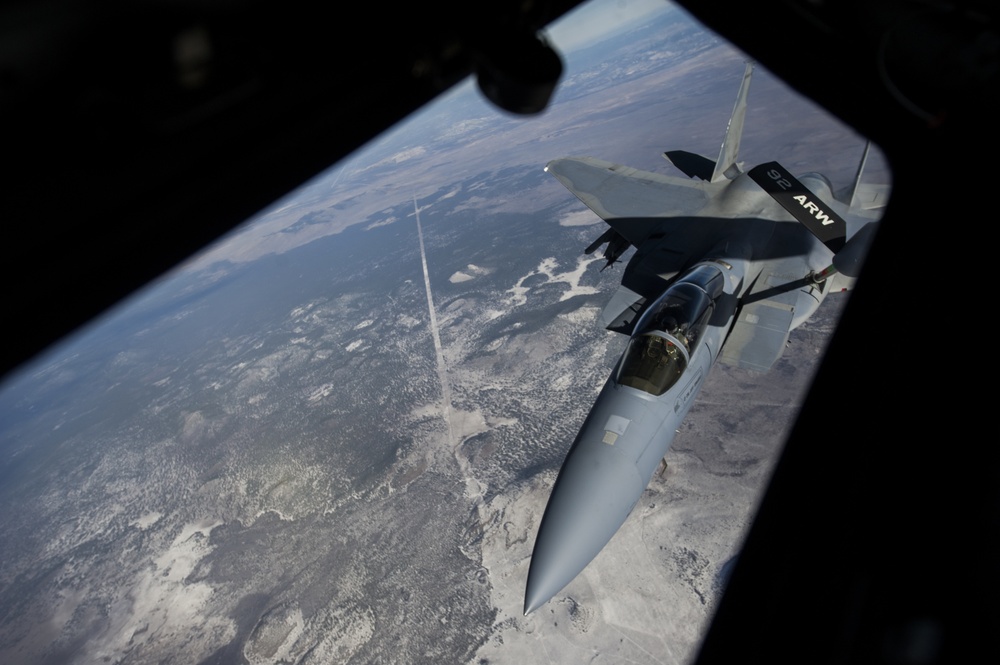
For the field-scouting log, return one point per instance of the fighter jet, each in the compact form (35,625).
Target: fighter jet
(728,262)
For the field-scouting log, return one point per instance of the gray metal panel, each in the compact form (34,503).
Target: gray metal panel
(758,336)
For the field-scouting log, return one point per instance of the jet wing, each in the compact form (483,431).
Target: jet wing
(631,201)
(668,219)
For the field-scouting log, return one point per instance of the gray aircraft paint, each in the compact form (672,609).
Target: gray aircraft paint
(778,241)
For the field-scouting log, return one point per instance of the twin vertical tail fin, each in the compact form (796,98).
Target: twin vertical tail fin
(850,195)
(725,167)
(862,196)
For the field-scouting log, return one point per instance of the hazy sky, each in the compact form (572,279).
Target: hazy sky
(588,24)
(601,19)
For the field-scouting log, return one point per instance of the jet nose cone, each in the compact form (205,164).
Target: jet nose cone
(533,601)
(594,493)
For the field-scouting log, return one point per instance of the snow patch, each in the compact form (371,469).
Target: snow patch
(581,315)
(408,322)
(161,606)
(549,268)
(147,520)
(322,392)
(579,218)
(495,344)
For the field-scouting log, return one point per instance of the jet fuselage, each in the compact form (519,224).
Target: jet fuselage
(633,422)
(727,264)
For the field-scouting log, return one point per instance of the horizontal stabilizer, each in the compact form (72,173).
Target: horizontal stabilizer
(694,166)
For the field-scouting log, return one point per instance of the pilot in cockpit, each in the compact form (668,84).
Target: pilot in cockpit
(677,330)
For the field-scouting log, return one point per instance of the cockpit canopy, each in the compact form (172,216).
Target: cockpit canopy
(652,363)
(669,331)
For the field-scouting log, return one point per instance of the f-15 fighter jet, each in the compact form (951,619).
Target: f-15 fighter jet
(727,264)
